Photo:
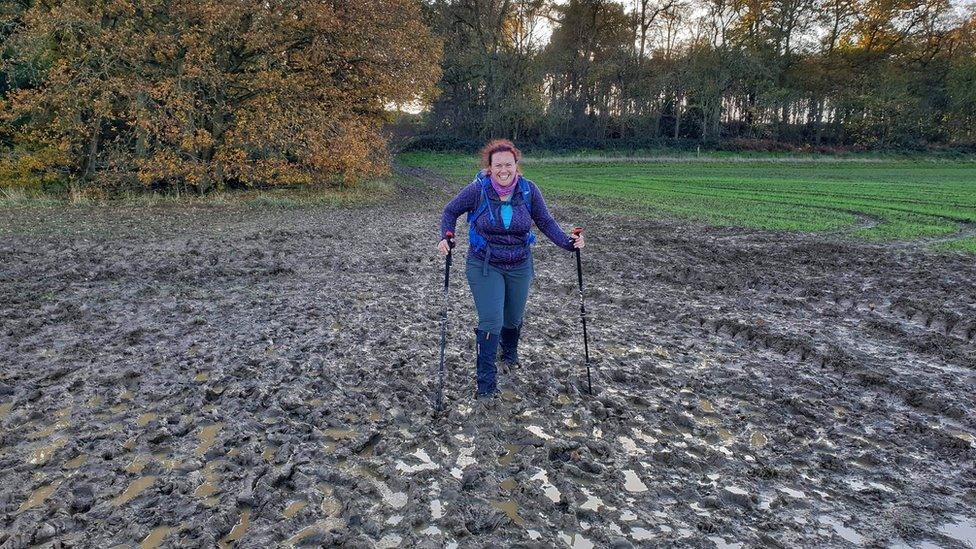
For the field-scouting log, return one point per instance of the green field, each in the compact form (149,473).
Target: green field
(872,197)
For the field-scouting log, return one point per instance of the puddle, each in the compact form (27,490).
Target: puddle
(207,435)
(42,455)
(389,541)
(849,534)
(330,505)
(293,509)
(321,526)
(339,434)
(138,464)
(201,377)
(547,487)
(962,529)
(962,435)
(725,435)
(706,407)
(576,541)
(641,534)
(145,419)
(757,439)
(425,463)
(38,496)
(135,488)
(722,544)
(505,460)
(397,500)
(592,503)
(640,435)
(792,493)
(508,484)
(267,455)
(563,399)
(5,409)
(436,509)
(537,431)
(210,486)
(510,507)
(630,446)
(76,462)
(237,533)
(59,425)
(156,537)
(633,483)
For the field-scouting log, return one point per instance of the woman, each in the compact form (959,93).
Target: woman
(501,206)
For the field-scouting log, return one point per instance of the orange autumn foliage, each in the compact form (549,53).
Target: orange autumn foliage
(209,93)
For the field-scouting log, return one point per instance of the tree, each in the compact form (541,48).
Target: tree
(208,93)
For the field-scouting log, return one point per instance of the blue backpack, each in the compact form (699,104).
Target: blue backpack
(475,240)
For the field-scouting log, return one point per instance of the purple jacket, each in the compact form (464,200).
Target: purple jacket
(508,246)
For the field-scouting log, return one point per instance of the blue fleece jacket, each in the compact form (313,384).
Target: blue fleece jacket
(508,245)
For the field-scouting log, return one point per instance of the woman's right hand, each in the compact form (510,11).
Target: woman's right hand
(443,247)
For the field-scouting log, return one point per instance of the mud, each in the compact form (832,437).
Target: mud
(238,377)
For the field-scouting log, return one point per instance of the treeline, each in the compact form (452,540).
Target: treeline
(204,94)
(829,73)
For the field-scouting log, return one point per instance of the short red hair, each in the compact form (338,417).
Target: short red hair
(497,146)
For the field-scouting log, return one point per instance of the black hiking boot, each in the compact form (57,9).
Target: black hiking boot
(487,347)
(509,343)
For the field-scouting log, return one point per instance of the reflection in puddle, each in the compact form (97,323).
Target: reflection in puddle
(155,538)
(962,529)
(641,534)
(510,508)
(576,541)
(630,445)
(592,503)
(135,488)
(547,487)
(848,534)
(537,431)
(389,541)
(720,543)
(207,435)
(425,463)
(237,533)
(37,497)
(633,483)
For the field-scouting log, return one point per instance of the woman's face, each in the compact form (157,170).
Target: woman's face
(504,168)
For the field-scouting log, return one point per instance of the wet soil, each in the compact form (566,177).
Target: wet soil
(223,376)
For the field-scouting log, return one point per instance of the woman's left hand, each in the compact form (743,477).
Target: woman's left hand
(578,241)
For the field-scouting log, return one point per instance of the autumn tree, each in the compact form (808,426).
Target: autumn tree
(203,94)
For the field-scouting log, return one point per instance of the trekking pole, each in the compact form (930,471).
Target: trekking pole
(586,345)
(439,402)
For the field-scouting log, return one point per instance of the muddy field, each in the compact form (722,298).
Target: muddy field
(233,376)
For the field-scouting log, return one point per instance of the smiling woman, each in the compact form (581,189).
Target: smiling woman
(501,207)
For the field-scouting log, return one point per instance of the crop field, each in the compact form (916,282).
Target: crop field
(870,198)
